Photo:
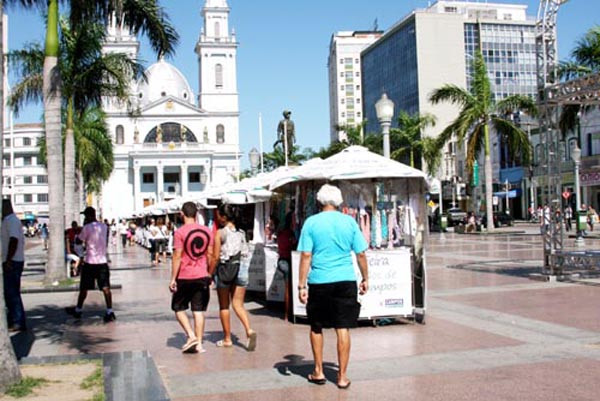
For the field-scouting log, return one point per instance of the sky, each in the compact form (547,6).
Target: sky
(282,57)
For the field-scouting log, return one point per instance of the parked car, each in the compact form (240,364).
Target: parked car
(500,219)
(455,216)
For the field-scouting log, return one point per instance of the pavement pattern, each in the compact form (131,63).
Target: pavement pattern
(491,333)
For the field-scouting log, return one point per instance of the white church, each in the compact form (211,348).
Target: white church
(170,141)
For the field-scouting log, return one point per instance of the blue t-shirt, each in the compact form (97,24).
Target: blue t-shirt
(331,237)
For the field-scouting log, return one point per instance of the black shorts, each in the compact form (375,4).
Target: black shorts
(196,292)
(92,274)
(333,305)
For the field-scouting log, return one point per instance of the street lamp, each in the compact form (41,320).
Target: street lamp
(576,156)
(385,111)
(254,157)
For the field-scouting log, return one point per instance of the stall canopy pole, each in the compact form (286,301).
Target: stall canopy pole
(260,139)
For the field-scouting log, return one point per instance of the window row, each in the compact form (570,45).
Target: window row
(25,141)
(21,161)
(194,177)
(348,61)
(171,132)
(28,198)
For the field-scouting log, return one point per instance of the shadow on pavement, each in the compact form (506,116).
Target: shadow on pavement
(296,365)
(22,343)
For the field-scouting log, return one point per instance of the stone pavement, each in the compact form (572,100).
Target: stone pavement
(491,333)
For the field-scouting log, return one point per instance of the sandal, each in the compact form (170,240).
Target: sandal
(314,380)
(190,346)
(344,386)
(251,343)
(223,344)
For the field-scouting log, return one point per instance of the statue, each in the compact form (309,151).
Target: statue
(136,135)
(159,134)
(286,127)
(183,131)
(205,135)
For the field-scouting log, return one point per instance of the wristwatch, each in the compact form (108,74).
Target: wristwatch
(302,287)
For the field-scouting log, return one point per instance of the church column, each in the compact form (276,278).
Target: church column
(160,186)
(137,189)
(184,179)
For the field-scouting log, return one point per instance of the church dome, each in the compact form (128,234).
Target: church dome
(163,79)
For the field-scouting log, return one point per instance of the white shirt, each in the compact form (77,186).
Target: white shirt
(12,227)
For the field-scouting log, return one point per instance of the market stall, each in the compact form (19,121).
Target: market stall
(387,199)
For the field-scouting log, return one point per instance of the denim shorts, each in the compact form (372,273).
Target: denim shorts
(240,281)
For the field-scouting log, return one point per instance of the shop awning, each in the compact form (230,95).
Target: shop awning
(355,162)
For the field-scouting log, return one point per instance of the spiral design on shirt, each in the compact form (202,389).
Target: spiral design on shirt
(196,243)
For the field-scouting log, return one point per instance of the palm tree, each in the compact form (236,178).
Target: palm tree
(276,158)
(409,134)
(478,113)
(88,76)
(93,149)
(146,17)
(585,60)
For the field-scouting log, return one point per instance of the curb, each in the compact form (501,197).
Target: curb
(71,288)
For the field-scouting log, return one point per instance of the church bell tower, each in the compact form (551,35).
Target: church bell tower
(217,55)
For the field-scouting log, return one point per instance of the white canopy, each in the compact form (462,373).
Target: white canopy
(355,162)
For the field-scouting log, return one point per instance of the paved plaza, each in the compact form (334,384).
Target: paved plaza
(491,333)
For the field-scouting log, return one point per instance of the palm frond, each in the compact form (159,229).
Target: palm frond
(453,94)
(28,90)
(432,155)
(475,145)
(480,84)
(569,118)
(587,49)
(514,103)
(517,139)
(568,70)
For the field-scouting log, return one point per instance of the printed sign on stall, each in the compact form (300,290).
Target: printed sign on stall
(390,284)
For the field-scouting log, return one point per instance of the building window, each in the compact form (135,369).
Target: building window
(220,133)
(357,74)
(7,180)
(7,143)
(27,179)
(341,61)
(6,161)
(148,178)
(343,101)
(219,76)
(348,61)
(590,143)
(357,100)
(120,135)
(26,141)
(42,198)
(27,161)
(42,179)
(341,75)
(357,87)
(450,9)
(27,198)
(217,29)
(194,177)
(356,61)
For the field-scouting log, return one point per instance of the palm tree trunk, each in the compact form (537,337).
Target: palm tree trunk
(489,190)
(55,268)
(70,194)
(9,368)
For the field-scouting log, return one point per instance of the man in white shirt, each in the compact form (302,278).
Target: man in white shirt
(13,260)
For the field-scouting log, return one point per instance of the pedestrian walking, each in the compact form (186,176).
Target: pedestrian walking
(44,235)
(123,229)
(232,276)
(191,270)
(327,241)
(13,261)
(150,234)
(568,217)
(73,248)
(95,264)
(592,217)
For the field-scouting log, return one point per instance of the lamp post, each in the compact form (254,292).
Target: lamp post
(576,156)
(254,157)
(385,111)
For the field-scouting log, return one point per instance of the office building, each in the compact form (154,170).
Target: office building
(345,79)
(435,46)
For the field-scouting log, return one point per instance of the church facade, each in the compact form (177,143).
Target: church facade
(168,140)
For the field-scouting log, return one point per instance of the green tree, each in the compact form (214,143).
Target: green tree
(276,158)
(479,112)
(93,149)
(145,17)
(354,136)
(585,59)
(409,135)
(88,75)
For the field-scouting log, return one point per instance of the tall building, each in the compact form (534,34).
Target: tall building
(345,79)
(435,46)
(170,141)
(25,177)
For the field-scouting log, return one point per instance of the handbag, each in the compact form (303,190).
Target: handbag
(228,271)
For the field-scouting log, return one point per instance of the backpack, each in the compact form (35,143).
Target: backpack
(233,247)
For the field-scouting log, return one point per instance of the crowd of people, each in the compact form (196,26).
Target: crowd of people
(203,255)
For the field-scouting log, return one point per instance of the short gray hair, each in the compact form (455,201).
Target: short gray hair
(330,195)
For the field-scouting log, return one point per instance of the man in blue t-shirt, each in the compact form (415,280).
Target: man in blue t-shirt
(327,242)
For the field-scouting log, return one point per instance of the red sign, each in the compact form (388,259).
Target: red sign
(566,194)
